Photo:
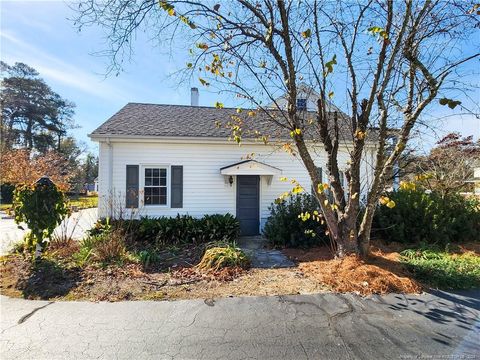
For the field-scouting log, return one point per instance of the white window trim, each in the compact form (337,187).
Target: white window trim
(142,182)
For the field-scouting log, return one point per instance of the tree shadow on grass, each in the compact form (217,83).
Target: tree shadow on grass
(49,279)
(451,307)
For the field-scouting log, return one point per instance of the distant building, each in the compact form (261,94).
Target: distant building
(476,182)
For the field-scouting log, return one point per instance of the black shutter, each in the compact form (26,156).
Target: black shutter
(132,186)
(177,186)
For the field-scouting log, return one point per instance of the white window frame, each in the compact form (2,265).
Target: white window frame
(142,182)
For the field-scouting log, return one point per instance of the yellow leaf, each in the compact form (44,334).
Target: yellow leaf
(239,110)
(391,204)
(306,34)
(219,105)
(330,94)
(202,46)
(360,134)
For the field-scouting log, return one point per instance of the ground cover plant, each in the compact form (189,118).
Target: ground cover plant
(441,268)
(182,229)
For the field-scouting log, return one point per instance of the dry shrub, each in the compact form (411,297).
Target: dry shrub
(379,275)
(106,247)
(63,247)
(193,274)
(110,248)
(217,258)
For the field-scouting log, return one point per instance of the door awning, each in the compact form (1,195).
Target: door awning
(250,167)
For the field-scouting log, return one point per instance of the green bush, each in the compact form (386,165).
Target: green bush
(182,229)
(441,269)
(421,217)
(42,206)
(284,227)
(7,193)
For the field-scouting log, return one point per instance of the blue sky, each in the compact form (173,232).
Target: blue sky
(39,34)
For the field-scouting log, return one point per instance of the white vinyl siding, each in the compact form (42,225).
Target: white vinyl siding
(205,190)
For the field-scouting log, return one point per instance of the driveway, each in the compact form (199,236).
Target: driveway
(322,326)
(75,226)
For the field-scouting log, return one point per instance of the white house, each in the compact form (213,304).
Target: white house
(164,160)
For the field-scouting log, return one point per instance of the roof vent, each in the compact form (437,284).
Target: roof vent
(194,96)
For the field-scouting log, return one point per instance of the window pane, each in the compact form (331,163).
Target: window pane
(155,186)
(147,199)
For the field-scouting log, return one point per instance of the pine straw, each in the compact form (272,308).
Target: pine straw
(382,273)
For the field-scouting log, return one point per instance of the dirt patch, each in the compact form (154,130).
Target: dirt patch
(470,247)
(44,279)
(254,282)
(132,282)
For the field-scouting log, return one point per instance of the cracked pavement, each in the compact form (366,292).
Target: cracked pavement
(321,326)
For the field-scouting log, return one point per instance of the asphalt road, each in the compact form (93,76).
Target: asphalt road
(324,326)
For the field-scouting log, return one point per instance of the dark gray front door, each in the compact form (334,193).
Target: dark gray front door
(248,195)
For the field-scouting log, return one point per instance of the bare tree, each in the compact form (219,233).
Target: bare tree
(383,62)
(449,165)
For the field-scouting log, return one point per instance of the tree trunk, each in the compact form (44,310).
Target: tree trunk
(347,242)
(365,229)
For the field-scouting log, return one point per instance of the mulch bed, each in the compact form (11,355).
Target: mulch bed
(380,274)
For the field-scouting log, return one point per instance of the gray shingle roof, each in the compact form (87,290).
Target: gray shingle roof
(136,119)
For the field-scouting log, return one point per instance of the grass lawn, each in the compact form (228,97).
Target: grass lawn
(4,207)
(82,202)
(457,268)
